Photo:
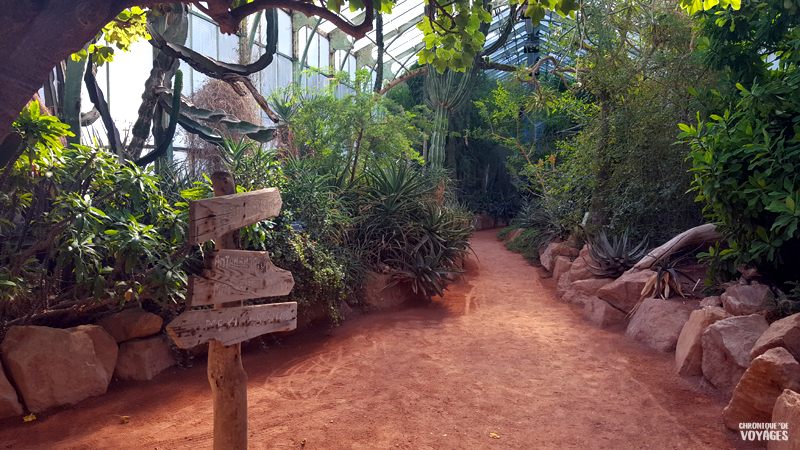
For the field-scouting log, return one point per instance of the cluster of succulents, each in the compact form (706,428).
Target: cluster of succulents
(612,258)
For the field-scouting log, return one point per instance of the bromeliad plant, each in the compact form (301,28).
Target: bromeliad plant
(613,258)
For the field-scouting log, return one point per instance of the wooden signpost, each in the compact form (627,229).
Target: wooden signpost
(238,275)
(232,275)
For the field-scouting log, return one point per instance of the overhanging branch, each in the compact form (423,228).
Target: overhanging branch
(229,20)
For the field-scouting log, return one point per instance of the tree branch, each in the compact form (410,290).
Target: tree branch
(229,22)
(407,76)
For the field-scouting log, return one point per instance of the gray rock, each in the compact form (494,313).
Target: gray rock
(743,300)
(9,403)
(53,367)
(726,349)
(787,411)
(689,349)
(782,333)
(658,323)
(142,359)
(601,314)
(761,385)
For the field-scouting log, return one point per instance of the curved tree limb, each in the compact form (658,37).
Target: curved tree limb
(229,22)
(406,76)
(501,40)
(703,234)
(99,101)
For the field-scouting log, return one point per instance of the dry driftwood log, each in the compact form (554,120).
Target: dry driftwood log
(703,234)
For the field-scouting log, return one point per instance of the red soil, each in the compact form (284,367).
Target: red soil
(497,355)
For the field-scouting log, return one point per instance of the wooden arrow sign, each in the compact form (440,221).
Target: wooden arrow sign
(212,217)
(238,275)
(232,325)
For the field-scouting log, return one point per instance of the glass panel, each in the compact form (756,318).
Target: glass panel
(229,47)
(204,37)
(198,79)
(351,66)
(284,71)
(284,33)
(302,35)
(313,51)
(269,78)
(127,73)
(324,54)
(187,79)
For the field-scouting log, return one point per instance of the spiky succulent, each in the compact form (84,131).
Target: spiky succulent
(613,258)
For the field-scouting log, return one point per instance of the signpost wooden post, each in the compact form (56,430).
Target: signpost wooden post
(231,276)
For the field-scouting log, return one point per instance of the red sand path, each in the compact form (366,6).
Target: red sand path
(497,355)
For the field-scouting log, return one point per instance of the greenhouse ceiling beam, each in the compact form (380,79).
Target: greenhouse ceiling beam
(404,27)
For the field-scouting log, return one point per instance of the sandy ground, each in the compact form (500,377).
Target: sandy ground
(498,363)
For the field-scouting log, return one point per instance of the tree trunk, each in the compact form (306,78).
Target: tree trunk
(703,234)
(35,35)
(597,205)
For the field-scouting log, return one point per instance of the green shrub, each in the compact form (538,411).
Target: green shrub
(745,158)
(528,243)
(76,223)
(504,232)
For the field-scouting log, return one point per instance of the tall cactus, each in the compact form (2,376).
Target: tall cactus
(169,133)
(174,26)
(73,83)
(446,93)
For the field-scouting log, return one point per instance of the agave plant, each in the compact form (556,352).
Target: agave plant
(428,275)
(613,258)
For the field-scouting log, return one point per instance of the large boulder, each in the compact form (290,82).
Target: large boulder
(131,323)
(782,333)
(9,403)
(380,298)
(714,300)
(689,349)
(580,267)
(787,411)
(601,314)
(105,347)
(726,349)
(625,292)
(578,291)
(561,266)
(548,255)
(762,383)
(53,367)
(142,359)
(657,323)
(743,300)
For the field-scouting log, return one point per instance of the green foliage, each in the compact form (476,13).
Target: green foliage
(745,160)
(612,258)
(355,131)
(128,27)
(86,224)
(402,224)
(605,145)
(785,304)
(528,244)
(504,232)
